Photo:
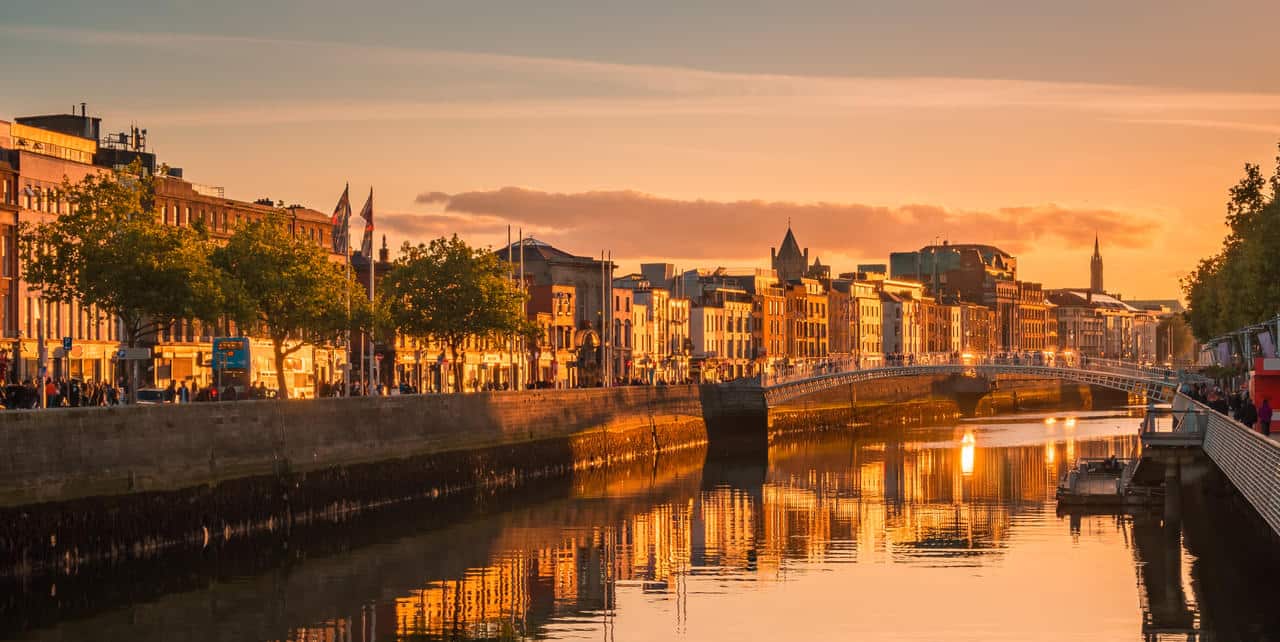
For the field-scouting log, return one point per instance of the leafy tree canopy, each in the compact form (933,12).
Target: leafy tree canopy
(451,291)
(111,251)
(285,286)
(1240,285)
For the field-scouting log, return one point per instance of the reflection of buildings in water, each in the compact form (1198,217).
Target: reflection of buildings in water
(840,499)
(486,602)
(909,498)
(661,542)
(727,524)
(520,590)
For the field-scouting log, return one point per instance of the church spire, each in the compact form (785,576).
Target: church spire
(1095,269)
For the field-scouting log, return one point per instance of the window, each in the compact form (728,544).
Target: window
(6,255)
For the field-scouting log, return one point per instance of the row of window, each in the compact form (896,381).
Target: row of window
(226,220)
(66,320)
(46,200)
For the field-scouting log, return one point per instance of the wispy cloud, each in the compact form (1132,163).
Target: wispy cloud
(1264,128)
(587,88)
(638,224)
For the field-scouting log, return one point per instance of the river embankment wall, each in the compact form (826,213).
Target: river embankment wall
(92,452)
(108,485)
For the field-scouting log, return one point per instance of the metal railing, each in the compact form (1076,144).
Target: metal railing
(1156,384)
(1250,460)
(840,366)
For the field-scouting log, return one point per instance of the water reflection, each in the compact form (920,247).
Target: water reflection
(924,533)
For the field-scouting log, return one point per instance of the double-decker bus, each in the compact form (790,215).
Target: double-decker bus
(231,363)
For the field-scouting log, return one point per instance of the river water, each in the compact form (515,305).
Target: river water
(892,533)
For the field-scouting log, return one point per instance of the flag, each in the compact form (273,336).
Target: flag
(366,247)
(1268,345)
(342,224)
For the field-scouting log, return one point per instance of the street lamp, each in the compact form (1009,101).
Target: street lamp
(41,354)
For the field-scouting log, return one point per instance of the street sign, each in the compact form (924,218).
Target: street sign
(231,353)
(129,354)
(66,344)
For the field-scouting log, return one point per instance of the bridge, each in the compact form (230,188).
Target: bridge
(737,413)
(1157,384)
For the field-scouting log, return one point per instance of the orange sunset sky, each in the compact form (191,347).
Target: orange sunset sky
(692,132)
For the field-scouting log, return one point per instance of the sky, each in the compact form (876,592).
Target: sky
(694,132)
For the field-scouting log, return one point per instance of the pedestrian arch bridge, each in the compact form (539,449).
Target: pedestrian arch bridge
(1157,384)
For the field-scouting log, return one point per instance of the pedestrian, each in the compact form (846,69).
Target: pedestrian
(1247,414)
(1264,417)
(50,393)
(1219,404)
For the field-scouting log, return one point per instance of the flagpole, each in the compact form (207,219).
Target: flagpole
(346,370)
(524,306)
(369,232)
(511,339)
(343,214)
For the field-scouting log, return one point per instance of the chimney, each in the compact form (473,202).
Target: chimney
(383,254)
(84,117)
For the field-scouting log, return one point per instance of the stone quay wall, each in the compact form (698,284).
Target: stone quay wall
(73,453)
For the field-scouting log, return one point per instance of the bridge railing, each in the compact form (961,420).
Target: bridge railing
(802,372)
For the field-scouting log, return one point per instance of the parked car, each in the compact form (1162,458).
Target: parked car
(150,396)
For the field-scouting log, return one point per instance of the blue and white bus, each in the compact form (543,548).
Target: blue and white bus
(231,363)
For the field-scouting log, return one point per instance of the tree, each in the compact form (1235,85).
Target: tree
(452,292)
(284,285)
(111,251)
(1240,285)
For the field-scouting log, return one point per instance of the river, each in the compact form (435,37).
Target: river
(888,533)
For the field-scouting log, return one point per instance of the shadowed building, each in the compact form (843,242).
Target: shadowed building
(788,260)
(963,271)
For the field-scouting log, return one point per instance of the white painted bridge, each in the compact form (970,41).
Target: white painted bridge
(1157,384)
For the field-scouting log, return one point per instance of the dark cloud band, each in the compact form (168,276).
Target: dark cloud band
(635,223)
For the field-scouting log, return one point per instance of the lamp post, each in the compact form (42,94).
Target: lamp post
(41,354)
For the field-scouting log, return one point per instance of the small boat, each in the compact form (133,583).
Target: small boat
(1098,481)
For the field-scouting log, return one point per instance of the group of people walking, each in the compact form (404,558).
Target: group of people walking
(59,393)
(1238,405)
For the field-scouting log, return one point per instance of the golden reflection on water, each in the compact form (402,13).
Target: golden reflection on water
(834,536)
(967,447)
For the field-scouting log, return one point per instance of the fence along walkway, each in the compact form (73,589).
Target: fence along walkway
(1249,460)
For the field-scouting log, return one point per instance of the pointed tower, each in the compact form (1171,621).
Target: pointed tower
(787,260)
(1095,269)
